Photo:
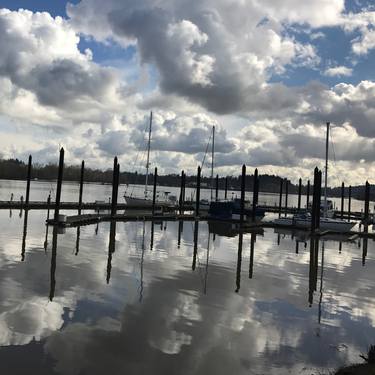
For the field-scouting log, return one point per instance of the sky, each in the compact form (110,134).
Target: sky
(267,74)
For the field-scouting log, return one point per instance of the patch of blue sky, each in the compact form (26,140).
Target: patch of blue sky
(54,7)
(334,48)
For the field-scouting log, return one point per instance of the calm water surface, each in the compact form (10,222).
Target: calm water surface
(178,299)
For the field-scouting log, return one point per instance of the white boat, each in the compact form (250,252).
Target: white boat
(326,223)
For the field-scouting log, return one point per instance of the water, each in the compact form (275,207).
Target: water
(154,301)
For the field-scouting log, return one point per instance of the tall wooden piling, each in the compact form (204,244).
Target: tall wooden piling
(154,191)
(281,196)
(182,188)
(226,188)
(198,193)
(28,181)
(217,188)
(115,181)
(255,194)
(81,187)
(59,184)
(242,207)
(308,195)
(367,203)
(342,200)
(349,201)
(314,202)
(286,195)
(299,193)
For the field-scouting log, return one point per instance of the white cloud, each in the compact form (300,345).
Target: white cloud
(338,71)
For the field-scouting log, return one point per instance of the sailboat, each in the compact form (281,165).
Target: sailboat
(146,199)
(326,223)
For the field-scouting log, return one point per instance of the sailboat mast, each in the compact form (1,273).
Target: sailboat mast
(326,172)
(148,153)
(212,161)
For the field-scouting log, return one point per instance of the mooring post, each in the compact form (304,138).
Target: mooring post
(286,195)
(181,192)
(367,202)
(154,191)
(308,195)
(226,188)
(342,200)
(242,207)
(81,187)
(217,188)
(198,197)
(281,196)
(116,170)
(255,195)
(299,193)
(313,207)
(349,201)
(28,181)
(59,184)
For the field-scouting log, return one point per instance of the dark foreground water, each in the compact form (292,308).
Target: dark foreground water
(153,302)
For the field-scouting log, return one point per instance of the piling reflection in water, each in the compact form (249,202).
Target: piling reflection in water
(239,262)
(53,263)
(24,235)
(253,239)
(111,248)
(196,228)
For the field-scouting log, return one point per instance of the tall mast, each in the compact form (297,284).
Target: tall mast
(148,153)
(326,172)
(212,161)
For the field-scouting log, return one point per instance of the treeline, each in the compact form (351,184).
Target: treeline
(14,169)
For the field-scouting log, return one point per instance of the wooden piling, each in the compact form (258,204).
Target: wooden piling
(242,207)
(367,203)
(313,207)
(59,184)
(349,201)
(226,188)
(342,200)
(299,193)
(28,181)
(281,196)
(198,192)
(154,191)
(81,187)
(286,195)
(116,171)
(255,194)
(217,188)
(182,187)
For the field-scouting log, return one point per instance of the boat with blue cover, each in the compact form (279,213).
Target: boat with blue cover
(231,210)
